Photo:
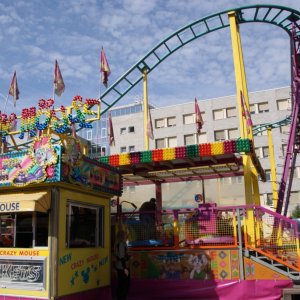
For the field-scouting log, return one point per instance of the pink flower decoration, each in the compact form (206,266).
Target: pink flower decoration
(50,171)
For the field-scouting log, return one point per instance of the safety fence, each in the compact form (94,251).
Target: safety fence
(250,227)
(271,234)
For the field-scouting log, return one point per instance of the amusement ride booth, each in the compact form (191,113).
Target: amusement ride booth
(54,206)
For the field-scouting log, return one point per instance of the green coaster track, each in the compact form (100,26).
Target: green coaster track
(280,16)
(271,14)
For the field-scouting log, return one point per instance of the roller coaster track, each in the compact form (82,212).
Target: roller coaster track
(263,127)
(283,17)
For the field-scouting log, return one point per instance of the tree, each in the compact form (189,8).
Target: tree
(296,212)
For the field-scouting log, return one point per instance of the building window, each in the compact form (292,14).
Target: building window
(103,151)
(269,200)
(122,149)
(231,112)
(252,109)
(123,130)
(171,121)
(283,104)
(233,133)
(24,230)
(159,143)
(294,197)
(284,147)
(219,135)
(131,129)
(131,148)
(89,135)
(257,152)
(297,172)
(285,129)
(265,152)
(188,119)
(189,139)
(263,107)
(268,175)
(85,226)
(159,123)
(236,180)
(225,180)
(172,141)
(103,132)
(218,114)
(202,138)
(231,180)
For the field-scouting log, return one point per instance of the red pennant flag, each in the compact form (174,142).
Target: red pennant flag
(149,126)
(104,68)
(59,85)
(246,113)
(199,120)
(14,90)
(111,132)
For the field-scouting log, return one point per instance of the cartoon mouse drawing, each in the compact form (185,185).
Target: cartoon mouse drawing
(42,154)
(201,266)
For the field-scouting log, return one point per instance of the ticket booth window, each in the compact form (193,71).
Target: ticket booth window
(24,230)
(84,226)
(7,231)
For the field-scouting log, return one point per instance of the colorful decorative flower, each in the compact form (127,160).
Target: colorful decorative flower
(50,171)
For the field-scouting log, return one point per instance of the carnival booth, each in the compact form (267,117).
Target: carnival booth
(205,251)
(54,211)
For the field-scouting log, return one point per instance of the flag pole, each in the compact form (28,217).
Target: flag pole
(146,141)
(97,128)
(100,86)
(53,92)
(100,77)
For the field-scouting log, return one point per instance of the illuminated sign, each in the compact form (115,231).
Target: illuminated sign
(94,174)
(41,163)
(27,274)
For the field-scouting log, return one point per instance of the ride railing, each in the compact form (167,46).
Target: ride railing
(147,229)
(207,227)
(193,228)
(249,227)
(271,234)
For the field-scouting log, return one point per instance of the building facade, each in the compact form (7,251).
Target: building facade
(175,126)
(97,136)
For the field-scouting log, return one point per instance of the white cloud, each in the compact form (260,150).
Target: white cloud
(36,33)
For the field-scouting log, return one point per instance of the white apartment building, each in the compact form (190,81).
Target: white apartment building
(175,126)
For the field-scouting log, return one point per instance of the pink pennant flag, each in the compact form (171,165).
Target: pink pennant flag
(59,85)
(104,68)
(149,125)
(14,90)
(111,132)
(199,120)
(246,113)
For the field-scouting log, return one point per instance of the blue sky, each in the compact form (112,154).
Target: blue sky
(33,33)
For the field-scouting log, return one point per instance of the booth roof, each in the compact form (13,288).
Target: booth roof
(34,201)
(185,169)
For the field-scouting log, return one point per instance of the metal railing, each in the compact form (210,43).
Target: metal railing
(272,235)
(253,228)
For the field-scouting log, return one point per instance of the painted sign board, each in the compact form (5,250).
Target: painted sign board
(41,163)
(23,273)
(47,163)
